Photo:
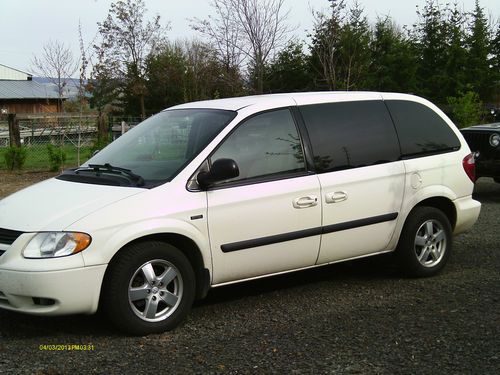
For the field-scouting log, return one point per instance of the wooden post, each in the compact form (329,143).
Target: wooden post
(102,130)
(14,134)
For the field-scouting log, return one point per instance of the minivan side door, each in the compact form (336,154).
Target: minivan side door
(357,157)
(267,219)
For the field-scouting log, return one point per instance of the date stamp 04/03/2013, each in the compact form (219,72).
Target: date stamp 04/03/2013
(66,347)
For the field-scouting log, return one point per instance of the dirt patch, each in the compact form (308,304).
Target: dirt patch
(14,181)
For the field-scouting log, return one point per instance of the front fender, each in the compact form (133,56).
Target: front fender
(107,242)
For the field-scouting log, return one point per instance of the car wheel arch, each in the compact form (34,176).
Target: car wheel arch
(187,246)
(443,204)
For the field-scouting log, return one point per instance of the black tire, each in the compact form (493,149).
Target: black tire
(425,243)
(149,288)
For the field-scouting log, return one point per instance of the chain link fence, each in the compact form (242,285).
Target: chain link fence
(72,135)
(121,124)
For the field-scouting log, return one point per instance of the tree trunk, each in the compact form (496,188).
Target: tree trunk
(102,129)
(143,108)
(259,72)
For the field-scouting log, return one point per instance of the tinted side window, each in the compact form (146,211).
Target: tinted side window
(420,129)
(350,134)
(264,145)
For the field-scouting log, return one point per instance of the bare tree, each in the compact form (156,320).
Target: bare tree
(126,41)
(57,64)
(326,42)
(81,87)
(224,37)
(255,28)
(340,45)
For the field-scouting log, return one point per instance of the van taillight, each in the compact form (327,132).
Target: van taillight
(469,164)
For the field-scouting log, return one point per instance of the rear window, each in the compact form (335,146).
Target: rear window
(420,129)
(350,134)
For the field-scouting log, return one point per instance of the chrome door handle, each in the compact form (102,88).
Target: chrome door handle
(338,196)
(304,202)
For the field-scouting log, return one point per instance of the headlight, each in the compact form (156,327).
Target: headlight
(56,244)
(494,140)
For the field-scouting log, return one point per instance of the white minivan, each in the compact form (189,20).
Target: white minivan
(211,193)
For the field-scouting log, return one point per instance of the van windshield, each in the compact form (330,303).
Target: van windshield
(159,147)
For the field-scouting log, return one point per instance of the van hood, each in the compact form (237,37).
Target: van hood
(53,205)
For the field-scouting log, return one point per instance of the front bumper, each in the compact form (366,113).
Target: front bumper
(61,292)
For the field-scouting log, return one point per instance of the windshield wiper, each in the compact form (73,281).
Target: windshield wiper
(108,168)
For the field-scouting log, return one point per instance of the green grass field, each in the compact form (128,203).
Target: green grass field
(37,158)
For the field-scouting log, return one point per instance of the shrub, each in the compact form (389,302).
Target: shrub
(466,109)
(15,157)
(98,145)
(57,157)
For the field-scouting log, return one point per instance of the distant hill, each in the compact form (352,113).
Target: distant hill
(71,89)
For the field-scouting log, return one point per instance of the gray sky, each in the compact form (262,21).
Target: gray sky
(26,25)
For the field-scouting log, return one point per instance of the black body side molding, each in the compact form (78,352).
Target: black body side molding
(282,237)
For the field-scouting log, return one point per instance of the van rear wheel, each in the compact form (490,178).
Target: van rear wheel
(149,288)
(425,242)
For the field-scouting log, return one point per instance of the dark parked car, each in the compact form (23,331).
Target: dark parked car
(484,140)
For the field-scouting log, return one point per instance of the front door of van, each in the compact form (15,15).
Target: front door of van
(268,219)
(357,158)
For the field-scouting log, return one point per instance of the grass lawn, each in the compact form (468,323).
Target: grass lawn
(37,158)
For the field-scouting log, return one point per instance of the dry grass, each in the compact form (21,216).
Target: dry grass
(11,182)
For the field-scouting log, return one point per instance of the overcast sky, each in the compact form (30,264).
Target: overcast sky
(25,25)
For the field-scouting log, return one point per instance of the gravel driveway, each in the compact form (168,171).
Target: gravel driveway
(351,318)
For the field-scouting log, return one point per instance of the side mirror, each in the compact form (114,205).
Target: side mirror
(222,169)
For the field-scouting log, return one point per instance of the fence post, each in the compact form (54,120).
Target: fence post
(102,129)
(14,134)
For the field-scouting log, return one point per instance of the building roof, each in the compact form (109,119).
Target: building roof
(6,72)
(26,90)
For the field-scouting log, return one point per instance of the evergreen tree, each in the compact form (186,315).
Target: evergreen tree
(165,70)
(480,75)
(495,65)
(431,36)
(289,71)
(393,59)
(456,53)
(354,51)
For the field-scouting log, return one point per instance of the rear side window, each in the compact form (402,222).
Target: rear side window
(420,129)
(350,134)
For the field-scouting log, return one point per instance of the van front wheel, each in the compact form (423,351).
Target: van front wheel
(425,242)
(149,288)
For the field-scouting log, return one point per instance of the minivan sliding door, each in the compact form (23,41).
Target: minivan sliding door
(356,154)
